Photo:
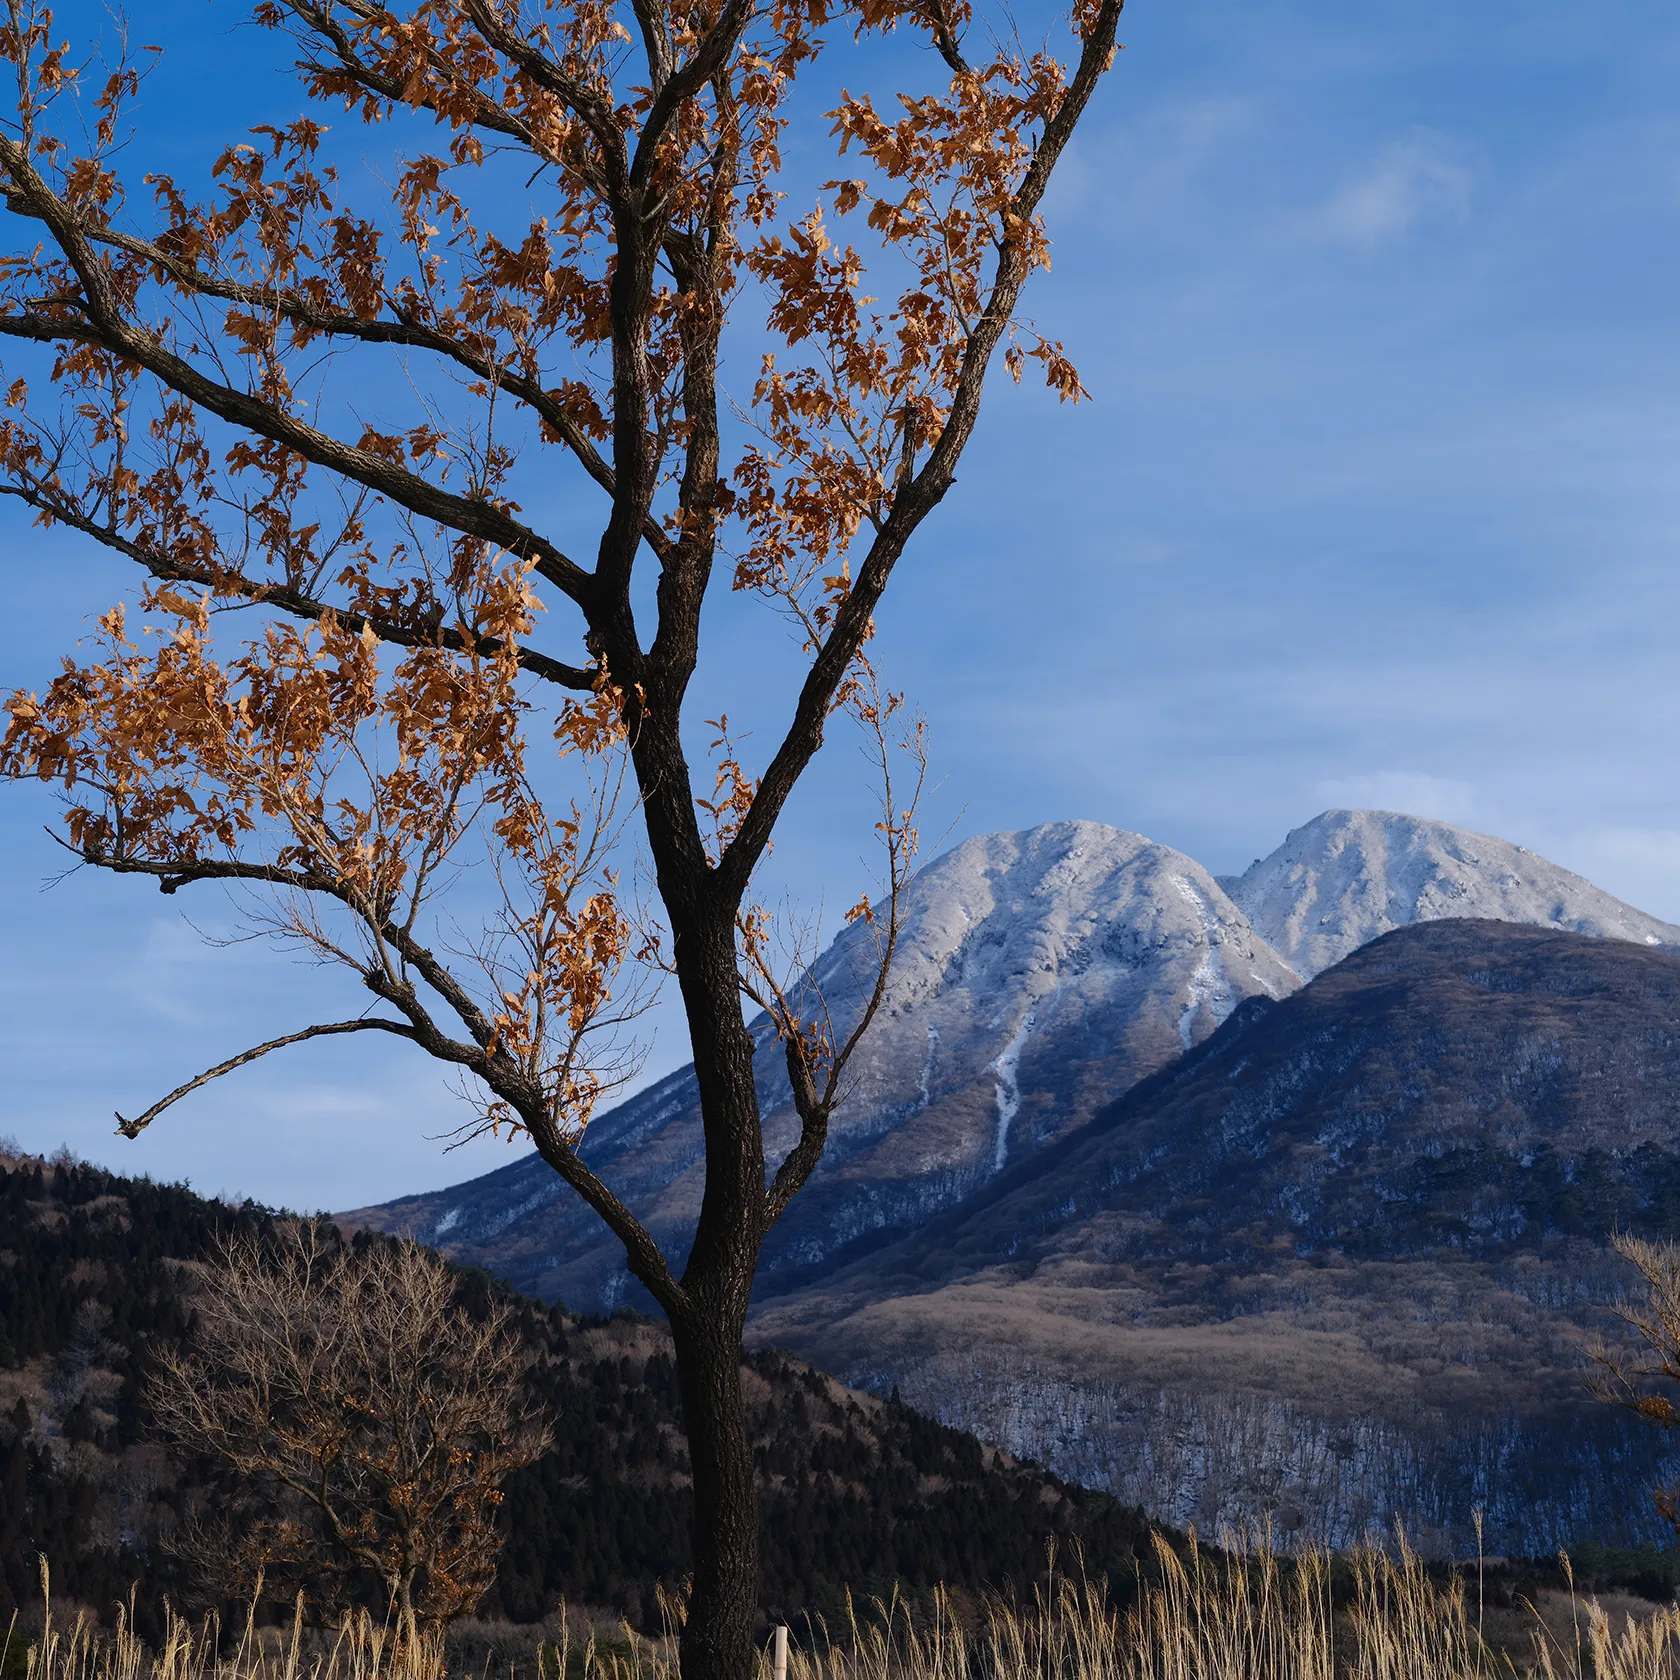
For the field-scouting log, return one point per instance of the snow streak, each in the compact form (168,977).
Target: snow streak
(1008,1087)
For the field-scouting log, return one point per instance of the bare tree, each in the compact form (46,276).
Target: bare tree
(369,1422)
(360,649)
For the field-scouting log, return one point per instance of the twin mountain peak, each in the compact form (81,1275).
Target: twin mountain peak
(1040,975)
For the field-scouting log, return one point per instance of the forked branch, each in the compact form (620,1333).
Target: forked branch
(296,603)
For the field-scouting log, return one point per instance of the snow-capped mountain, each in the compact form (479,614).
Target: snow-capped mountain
(1346,877)
(1231,1284)
(1039,974)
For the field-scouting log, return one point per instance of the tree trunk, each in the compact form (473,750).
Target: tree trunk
(717,1640)
(708,1322)
(409,1631)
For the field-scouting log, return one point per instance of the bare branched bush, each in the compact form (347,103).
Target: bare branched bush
(366,1423)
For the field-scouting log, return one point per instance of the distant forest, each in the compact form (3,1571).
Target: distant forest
(858,1492)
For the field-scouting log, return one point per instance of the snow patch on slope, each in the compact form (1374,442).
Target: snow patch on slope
(1007,1066)
(927,1064)
(1209,985)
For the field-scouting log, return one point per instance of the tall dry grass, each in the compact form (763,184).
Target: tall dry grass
(1261,1618)
(1241,1614)
(80,1649)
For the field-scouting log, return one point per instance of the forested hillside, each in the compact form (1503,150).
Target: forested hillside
(859,1492)
(1337,1266)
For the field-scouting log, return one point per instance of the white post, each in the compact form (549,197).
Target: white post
(778,1663)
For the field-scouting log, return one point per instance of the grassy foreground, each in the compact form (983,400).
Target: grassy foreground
(1270,1619)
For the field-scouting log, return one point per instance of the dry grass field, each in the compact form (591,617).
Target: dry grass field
(1265,1618)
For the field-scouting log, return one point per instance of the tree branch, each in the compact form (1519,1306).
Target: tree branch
(468,515)
(938,19)
(924,492)
(487,114)
(709,58)
(406,332)
(800,1161)
(172,876)
(106,327)
(656,41)
(295,601)
(595,111)
(646,1259)
(372,1023)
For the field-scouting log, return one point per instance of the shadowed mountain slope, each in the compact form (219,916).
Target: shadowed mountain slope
(1347,876)
(1038,974)
(1334,1265)
(857,1491)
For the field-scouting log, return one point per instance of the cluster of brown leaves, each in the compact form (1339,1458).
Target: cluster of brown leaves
(356,784)
(844,430)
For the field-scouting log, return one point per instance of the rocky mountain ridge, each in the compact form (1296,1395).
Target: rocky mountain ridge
(1347,877)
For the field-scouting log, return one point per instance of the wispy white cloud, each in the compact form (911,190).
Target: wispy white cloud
(1418,181)
(1407,791)
(1152,163)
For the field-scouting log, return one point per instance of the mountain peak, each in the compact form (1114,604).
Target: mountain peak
(1347,877)
(1038,972)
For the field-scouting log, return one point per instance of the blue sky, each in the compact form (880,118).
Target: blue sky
(1377,503)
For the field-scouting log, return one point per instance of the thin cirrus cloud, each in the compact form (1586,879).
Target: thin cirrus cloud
(1148,167)
(1412,183)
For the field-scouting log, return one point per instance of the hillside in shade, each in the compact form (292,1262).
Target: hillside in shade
(1336,1265)
(858,1490)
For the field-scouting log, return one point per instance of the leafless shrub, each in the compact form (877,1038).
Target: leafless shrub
(366,1420)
